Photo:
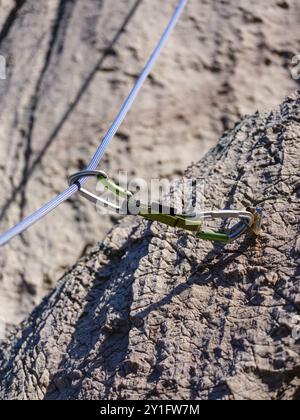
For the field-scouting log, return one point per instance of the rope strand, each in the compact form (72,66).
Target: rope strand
(65,195)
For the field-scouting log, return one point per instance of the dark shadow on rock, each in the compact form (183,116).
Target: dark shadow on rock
(108,321)
(217,260)
(105,319)
(30,335)
(13,15)
(30,169)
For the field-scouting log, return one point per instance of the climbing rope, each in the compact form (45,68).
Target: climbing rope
(65,195)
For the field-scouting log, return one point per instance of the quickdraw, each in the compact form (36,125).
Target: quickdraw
(250,220)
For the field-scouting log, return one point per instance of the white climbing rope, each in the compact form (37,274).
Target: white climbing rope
(49,207)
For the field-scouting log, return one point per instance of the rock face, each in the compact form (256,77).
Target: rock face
(70,64)
(154,313)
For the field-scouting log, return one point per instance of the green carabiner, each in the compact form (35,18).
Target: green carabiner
(249,220)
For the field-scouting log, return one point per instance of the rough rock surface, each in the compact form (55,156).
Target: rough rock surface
(154,313)
(70,65)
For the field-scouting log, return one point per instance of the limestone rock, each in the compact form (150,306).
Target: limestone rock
(154,313)
(70,66)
